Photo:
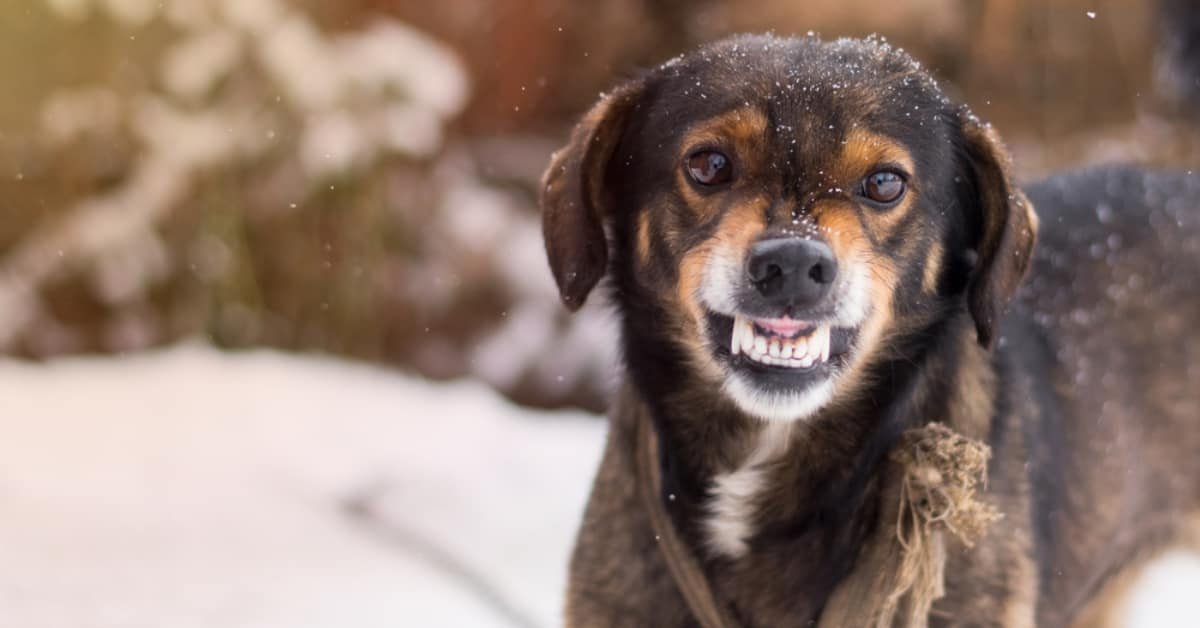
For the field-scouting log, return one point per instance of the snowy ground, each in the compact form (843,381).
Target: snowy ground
(192,488)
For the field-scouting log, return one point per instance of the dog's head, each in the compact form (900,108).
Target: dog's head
(779,214)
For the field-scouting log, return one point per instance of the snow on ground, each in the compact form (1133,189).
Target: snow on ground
(191,488)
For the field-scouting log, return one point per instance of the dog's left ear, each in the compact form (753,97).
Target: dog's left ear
(1007,229)
(574,199)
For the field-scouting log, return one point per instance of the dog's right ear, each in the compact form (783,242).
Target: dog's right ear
(573,197)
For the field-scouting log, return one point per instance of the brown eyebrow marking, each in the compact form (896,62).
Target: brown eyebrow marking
(863,149)
(738,127)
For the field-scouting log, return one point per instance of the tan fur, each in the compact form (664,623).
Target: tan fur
(874,332)
(736,232)
(863,150)
(841,228)
(933,268)
(687,330)
(643,238)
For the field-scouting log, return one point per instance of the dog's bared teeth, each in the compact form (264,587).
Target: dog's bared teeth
(818,345)
(821,345)
(812,349)
(765,348)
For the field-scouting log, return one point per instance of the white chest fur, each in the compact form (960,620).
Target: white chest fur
(733,495)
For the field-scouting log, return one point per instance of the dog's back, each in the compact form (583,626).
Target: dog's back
(1106,338)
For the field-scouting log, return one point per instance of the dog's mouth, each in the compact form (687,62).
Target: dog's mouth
(780,352)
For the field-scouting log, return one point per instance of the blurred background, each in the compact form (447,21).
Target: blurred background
(214,214)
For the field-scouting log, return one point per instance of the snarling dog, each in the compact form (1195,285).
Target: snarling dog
(812,249)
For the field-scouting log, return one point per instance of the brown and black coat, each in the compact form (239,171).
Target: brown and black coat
(1084,379)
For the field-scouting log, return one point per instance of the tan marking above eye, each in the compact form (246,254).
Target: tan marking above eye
(864,151)
(740,128)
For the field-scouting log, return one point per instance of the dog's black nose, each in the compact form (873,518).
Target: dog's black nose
(792,271)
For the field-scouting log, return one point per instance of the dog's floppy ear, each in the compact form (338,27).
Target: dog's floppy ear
(573,197)
(1007,229)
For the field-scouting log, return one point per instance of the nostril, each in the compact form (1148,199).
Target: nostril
(763,268)
(769,279)
(819,273)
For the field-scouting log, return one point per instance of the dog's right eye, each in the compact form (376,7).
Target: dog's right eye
(709,167)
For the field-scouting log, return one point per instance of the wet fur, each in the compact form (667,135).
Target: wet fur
(1085,389)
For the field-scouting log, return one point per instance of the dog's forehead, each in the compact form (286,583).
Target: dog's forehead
(805,86)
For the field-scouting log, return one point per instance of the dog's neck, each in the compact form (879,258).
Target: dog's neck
(812,484)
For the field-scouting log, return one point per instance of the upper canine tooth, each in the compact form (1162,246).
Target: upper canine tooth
(747,335)
(821,343)
(814,345)
(735,341)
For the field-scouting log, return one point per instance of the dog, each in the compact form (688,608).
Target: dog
(811,249)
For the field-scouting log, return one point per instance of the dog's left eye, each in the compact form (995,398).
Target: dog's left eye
(884,187)
(709,167)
